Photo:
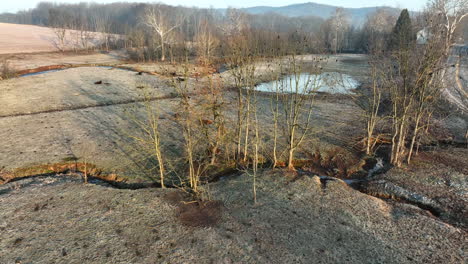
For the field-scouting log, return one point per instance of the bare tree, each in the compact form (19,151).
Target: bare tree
(136,42)
(447,15)
(190,119)
(274,107)
(160,23)
(215,107)
(243,70)
(59,21)
(81,36)
(206,42)
(413,75)
(236,22)
(297,96)
(85,35)
(376,28)
(150,137)
(339,23)
(102,25)
(372,105)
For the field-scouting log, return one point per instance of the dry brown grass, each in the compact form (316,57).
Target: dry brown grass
(42,68)
(176,197)
(447,160)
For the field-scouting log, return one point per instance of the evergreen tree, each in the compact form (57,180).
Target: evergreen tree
(402,36)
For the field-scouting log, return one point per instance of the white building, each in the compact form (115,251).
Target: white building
(422,36)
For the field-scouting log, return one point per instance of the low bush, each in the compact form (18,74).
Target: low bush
(334,162)
(6,71)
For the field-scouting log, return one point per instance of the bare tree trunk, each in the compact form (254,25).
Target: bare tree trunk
(413,139)
(151,138)
(157,151)
(247,126)
(163,49)
(239,121)
(291,153)
(256,143)
(275,128)
(297,103)
(372,112)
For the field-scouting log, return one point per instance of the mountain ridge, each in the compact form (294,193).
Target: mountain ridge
(324,11)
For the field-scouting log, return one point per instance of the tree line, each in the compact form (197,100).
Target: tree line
(190,26)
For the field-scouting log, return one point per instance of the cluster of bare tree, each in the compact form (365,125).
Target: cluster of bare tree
(154,31)
(406,81)
(410,76)
(212,141)
(407,77)
(200,31)
(81,28)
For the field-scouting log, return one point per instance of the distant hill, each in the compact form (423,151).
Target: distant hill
(358,15)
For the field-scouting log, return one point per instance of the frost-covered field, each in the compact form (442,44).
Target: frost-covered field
(15,38)
(51,116)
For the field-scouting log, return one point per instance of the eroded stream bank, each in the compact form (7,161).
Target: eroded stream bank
(373,186)
(377,185)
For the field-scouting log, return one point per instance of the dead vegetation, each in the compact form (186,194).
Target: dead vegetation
(6,71)
(334,162)
(103,224)
(194,213)
(215,135)
(457,163)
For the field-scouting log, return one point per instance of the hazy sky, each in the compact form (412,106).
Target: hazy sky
(15,5)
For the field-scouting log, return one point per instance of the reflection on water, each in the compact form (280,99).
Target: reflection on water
(330,82)
(41,72)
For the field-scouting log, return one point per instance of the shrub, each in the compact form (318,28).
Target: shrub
(7,71)
(334,162)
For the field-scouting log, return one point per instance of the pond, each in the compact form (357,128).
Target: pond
(330,82)
(41,72)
